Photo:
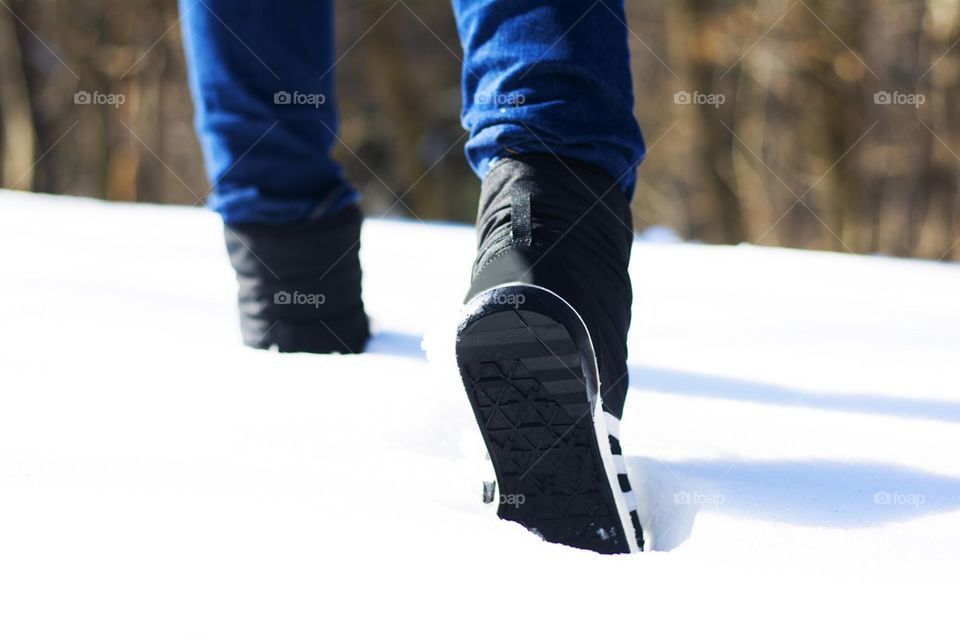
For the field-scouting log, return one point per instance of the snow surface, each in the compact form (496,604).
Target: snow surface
(793,424)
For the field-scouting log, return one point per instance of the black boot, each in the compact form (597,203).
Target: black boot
(299,284)
(542,349)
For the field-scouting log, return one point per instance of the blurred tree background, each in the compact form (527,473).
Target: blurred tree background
(800,123)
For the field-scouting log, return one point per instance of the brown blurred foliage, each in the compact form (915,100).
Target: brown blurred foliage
(767,122)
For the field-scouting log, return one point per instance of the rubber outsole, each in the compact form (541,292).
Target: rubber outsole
(530,373)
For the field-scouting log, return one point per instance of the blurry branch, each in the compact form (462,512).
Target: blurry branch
(401,99)
(720,205)
(942,49)
(16,117)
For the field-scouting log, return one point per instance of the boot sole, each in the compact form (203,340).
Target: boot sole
(530,373)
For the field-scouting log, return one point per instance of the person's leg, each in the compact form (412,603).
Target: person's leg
(262,82)
(542,346)
(267,162)
(549,78)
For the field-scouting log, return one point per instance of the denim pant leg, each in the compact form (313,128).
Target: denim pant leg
(262,80)
(549,77)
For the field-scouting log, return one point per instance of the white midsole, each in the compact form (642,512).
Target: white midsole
(600,420)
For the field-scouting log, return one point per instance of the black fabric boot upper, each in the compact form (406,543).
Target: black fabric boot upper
(565,226)
(299,284)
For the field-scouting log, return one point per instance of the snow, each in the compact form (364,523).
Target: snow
(793,422)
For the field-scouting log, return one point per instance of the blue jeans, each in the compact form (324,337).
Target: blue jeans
(539,77)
